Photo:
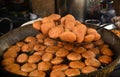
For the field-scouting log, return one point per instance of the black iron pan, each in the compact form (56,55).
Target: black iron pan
(20,33)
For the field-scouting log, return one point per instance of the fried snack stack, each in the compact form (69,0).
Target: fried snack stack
(41,56)
(66,29)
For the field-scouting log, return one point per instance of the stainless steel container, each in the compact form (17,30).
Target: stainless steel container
(74,7)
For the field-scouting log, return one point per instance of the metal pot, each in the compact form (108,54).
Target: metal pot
(21,33)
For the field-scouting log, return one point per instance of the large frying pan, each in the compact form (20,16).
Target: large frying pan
(20,33)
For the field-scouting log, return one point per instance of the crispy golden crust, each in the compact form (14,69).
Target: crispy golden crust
(72,72)
(37,25)
(94,32)
(92,62)
(106,51)
(52,49)
(74,56)
(54,17)
(30,39)
(45,27)
(77,64)
(39,47)
(58,73)
(40,53)
(28,67)
(60,67)
(34,59)
(88,54)
(95,50)
(27,48)
(80,31)
(8,53)
(57,60)
(37,73)
(47,56)
(89,45)
(7,61)
(12,67)
(44,66)
(22,58)
(105,59)
(62,52)
(49,42)
(55,31)
(79,50)
(88,69)
(19,72)
(99,42)
(68,36)
(20,44)
(89,38)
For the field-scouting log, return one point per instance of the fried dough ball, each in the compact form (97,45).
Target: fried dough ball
(88,54)
(7,61)
(89,38)
(27,48)
(22,58)
(49,42)
(12,67)
(52,49)
(20,44)
(54,17)
(39,47)
(106,51)
(72,72)
(77,64)
(46,20)
(28,67)
(30,39)
(57,60)
(44,66)
(105,59)
(62,52)
(74,56)
(68,36)
(58,73)
(19,72)
(88,46)
(79,50)
(68,21)
(40,37)
(8,53)
(95,50)
(88,69)
(34,59)
(62,21)
(68,46)
(45,27)
(47,57)
(80,31)
(60,67)
(92,62)
(99,42)
(37,73)
(55,31)
(40,53)
(93,31)
(37,25)
(14,48)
